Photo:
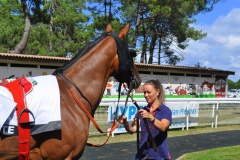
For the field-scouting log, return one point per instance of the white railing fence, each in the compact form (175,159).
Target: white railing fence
(205,112)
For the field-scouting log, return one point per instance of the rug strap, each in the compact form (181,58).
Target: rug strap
(17,89)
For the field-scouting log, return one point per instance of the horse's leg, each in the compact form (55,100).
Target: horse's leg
(35,154)
(76,157)
(54,149)
(71,140)
(8,147)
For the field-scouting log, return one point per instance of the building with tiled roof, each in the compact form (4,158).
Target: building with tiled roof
(172,77)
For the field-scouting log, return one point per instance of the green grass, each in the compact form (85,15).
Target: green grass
(167,96)
(223,153)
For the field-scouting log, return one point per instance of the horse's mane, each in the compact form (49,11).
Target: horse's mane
(80,53)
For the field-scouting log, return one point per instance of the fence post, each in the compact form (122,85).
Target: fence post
(216,115)
(213,114)
(187,115)
(114,108)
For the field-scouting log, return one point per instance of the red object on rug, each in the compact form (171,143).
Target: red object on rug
(17,89)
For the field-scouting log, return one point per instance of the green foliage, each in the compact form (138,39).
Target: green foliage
(170,21)
(238,84)
(233,85)
(172,58)
(36,45)
(11,25)
(62,27)
(224,153)
(67,21)
(198,65)
(66,34)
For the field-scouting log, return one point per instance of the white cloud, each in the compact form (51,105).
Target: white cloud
(220,49)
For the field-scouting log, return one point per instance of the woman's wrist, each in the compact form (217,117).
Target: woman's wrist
(124,121)
(152,120)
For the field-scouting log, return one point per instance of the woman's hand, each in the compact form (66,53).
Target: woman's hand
(121,119)
(146,114)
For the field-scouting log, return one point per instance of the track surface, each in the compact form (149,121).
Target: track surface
(177,146)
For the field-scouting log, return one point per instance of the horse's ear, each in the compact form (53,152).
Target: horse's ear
(123,33)
(109,28)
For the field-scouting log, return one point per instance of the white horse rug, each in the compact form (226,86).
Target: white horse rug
(43,101)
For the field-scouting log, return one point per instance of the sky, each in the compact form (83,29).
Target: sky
(221,48)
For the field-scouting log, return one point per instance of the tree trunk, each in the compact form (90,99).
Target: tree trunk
(159,49)
(105,13)
(151,48)
(51,8)
(137,25)
(144,46)
(153,42)
(23,43)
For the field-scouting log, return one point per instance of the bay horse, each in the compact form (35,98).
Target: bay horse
(87,73)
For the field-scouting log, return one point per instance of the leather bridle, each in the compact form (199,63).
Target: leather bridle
(122,68)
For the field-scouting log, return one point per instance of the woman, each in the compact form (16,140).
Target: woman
(159,118)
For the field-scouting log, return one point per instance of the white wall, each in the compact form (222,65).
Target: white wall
(6,71)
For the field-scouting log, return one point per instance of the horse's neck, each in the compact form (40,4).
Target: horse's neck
(91,73)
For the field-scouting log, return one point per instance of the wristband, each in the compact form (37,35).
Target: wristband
(153,120)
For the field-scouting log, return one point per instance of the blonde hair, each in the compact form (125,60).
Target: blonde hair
(157,85)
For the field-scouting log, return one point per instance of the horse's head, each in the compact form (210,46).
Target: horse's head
(126,71)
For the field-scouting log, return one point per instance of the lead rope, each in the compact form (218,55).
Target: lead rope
(138,132)
(119,92)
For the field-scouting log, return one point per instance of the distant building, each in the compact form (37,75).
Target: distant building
(178,81)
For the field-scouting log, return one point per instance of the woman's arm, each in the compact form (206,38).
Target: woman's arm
(129,128)
(161,125)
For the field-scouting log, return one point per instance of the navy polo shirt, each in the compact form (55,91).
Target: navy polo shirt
(162,112)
